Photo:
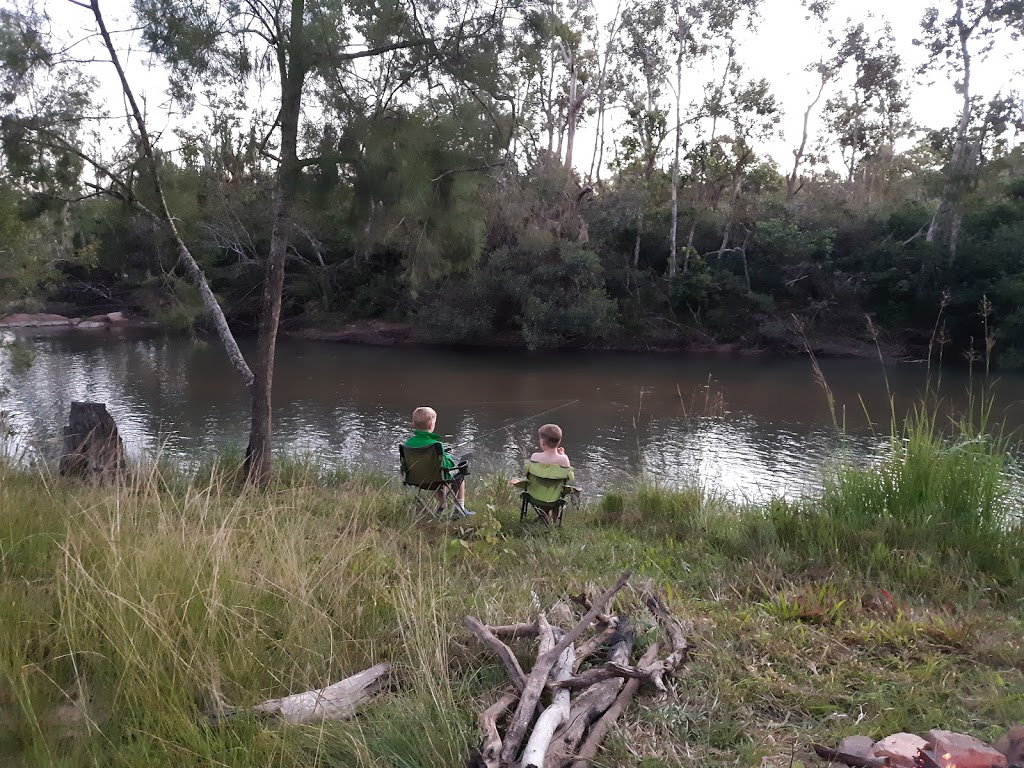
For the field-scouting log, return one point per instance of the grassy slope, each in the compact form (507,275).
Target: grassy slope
(885,605)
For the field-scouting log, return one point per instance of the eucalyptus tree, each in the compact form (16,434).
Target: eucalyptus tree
(559,33)
(956,35)
(646,33)
(872,113)
(285,46)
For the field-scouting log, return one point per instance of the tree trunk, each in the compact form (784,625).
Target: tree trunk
(945,224)
(673,263)
(195,272)
(636,245)
(571,120)
(258,455)
(689,245)
(602,98)
(93,449)
(792,181)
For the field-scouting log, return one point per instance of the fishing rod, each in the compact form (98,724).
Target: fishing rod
(511,424)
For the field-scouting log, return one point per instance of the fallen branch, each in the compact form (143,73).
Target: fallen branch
(502,651)
(588,750)
(335,702)
(539,674)
(488,721)
(552,717)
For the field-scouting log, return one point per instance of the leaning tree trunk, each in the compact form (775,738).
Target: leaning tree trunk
(258,455)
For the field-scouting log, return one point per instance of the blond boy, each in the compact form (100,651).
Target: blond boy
(424,420)
(551,451)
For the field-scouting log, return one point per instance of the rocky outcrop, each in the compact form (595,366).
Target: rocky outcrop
(45,320)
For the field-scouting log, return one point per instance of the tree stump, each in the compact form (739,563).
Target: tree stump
(93,449)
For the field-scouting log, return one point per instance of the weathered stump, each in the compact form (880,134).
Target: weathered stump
(92,447)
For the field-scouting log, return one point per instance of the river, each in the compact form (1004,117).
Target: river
(750,427)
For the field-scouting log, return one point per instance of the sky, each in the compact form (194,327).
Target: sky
(784,43)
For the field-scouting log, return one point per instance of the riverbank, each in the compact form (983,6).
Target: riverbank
(787,342)
(890,602)
(781,341)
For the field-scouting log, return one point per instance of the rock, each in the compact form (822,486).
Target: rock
(116,317)
(901,749)
(87,324)
(34,321)
(963,751)
(1011,745)
(857,746)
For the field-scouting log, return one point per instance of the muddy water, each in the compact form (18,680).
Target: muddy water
(751,427)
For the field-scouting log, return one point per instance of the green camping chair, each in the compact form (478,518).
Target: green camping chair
(547,489)
(423,471)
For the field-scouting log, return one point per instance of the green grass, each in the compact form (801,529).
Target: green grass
(890,602)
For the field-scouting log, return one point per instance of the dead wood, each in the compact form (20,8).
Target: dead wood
(488,721)
(671,626)
(335,702)
(589,706)
(538,677)
(93,449)
(551,718)
(515,631)
(834,756)
(589,748)
(592,645)
(502,651)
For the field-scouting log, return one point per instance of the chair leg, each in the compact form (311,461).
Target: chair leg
(523,509)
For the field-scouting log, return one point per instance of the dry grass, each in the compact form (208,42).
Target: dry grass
(170,594)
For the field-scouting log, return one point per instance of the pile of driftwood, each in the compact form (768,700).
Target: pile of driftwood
(564,707)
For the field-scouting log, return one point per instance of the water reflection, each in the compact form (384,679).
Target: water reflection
(622,415)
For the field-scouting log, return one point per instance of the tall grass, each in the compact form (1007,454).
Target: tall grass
(171,596)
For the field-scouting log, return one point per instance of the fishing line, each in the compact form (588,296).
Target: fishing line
(511,424)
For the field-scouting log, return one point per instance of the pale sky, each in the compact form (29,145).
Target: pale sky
(785,43)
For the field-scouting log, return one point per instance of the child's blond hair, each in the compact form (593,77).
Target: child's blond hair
(550,435)
(423,417)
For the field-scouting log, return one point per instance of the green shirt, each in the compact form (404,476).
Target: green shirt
(421,439)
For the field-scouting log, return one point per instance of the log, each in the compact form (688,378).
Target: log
(538,677)
(551,718)
(335,702)
(491,743)
(93,449)
(588,750)
(502,651)
(515,631)
(592,645)
(593,703)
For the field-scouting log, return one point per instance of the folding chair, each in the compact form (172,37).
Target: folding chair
(547,489)
(423,471)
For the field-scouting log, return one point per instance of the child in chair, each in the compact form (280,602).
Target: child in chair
(551,450)
(424,420)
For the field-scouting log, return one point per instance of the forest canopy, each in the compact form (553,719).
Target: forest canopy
(525,173)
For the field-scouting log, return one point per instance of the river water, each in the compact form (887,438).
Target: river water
(748,426)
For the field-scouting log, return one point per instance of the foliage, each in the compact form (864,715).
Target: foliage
(547,296)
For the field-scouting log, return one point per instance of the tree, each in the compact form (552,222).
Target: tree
(294,42)
(644,27)
(955,37)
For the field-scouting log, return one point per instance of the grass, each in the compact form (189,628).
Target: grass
(890,602)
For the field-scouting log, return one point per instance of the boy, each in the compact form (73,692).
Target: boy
(551,452)
(423,421)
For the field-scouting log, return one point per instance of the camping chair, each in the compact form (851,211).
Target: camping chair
(423,471)
(546,488)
